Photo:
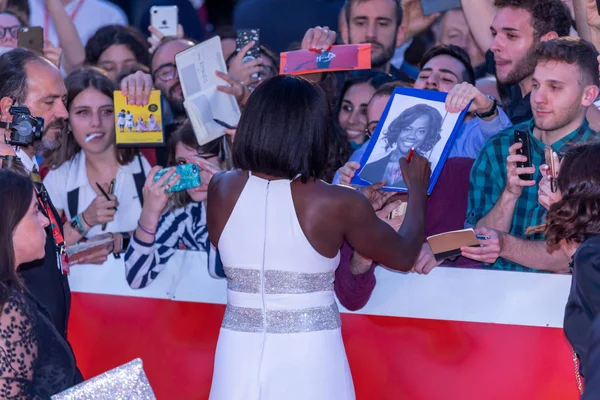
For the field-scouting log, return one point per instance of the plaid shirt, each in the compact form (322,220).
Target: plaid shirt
(488,179)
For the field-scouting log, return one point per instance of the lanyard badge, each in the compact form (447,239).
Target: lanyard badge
(59,240)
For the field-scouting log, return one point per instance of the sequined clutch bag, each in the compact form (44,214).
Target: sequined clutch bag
(127,382)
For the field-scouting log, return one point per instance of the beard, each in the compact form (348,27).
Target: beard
(386,55)
(176,104)
(522,69)
(47,143)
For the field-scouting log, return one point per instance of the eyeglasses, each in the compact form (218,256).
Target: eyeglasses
(12,30)
(165,72)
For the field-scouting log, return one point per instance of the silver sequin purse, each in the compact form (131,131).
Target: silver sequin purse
(126,382)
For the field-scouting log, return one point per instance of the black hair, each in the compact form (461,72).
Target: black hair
(399,12)
(546,15)
(572,50)
(283,131)
(455,52)
(16,191)
(410,115)
(117,34)
(13,75)
(184,134)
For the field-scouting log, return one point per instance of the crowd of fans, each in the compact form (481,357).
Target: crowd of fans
(519,65)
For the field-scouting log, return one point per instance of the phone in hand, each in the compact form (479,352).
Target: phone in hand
(165,19)
(525,150)
(31,38)
(244,37)
(439,6)
(552,170)
(189,177)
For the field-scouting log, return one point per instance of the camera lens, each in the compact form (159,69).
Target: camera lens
(155,11)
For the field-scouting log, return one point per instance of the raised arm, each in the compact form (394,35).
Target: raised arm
(376,240)
(156,237)
(69,41)
(479,15)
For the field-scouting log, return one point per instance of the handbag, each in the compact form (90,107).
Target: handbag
(126,382)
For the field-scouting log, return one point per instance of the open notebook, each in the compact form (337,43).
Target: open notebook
(203,102)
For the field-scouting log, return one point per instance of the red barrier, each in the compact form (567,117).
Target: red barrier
(390,357)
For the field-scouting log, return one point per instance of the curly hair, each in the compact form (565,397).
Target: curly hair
(546,15)
(576,216)
(410,115)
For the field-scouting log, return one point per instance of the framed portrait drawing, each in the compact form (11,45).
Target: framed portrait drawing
(412,119)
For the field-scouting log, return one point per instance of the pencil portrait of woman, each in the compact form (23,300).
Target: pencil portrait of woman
(416,127)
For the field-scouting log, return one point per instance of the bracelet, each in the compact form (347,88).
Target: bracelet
(78,225)
(146,230)
(84,220)
(491,112)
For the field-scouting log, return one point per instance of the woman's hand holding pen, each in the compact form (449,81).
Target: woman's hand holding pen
(102,210)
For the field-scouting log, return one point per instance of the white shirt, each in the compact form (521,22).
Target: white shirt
(92,15)
(28,163)
(73,175)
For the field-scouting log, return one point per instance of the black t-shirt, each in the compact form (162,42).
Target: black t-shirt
(517,106)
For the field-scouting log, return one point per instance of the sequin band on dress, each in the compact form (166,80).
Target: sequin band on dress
(278,282)
(244,319)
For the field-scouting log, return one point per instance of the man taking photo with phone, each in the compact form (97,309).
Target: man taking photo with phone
(502,205)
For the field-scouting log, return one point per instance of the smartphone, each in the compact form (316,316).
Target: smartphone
(598,5)
(549,156)
(165,19)
(525,150)
(439,6)
(244,37)
(190,177)
(31,38)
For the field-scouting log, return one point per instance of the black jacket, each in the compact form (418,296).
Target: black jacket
(48,285)
(583,305)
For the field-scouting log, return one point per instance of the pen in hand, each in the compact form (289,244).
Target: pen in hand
(410,155)
(106,196)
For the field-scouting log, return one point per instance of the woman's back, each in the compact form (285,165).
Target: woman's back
(280,301)
(36,359)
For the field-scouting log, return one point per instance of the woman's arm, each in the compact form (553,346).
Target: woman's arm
(156,236)
(145,260)
(374,239)
(353,291)
(68,37)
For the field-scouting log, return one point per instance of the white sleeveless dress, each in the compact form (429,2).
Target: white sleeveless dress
(281,337)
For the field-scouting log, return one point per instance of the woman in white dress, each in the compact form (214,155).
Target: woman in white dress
(279,229)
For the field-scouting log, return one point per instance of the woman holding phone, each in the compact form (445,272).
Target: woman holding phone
(176,221)
(97,186)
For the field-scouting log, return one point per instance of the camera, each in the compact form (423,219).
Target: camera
(24,128)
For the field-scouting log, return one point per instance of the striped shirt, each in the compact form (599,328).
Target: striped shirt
(180,229)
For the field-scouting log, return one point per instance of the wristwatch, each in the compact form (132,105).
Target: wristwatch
(492,110)
(125,239)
